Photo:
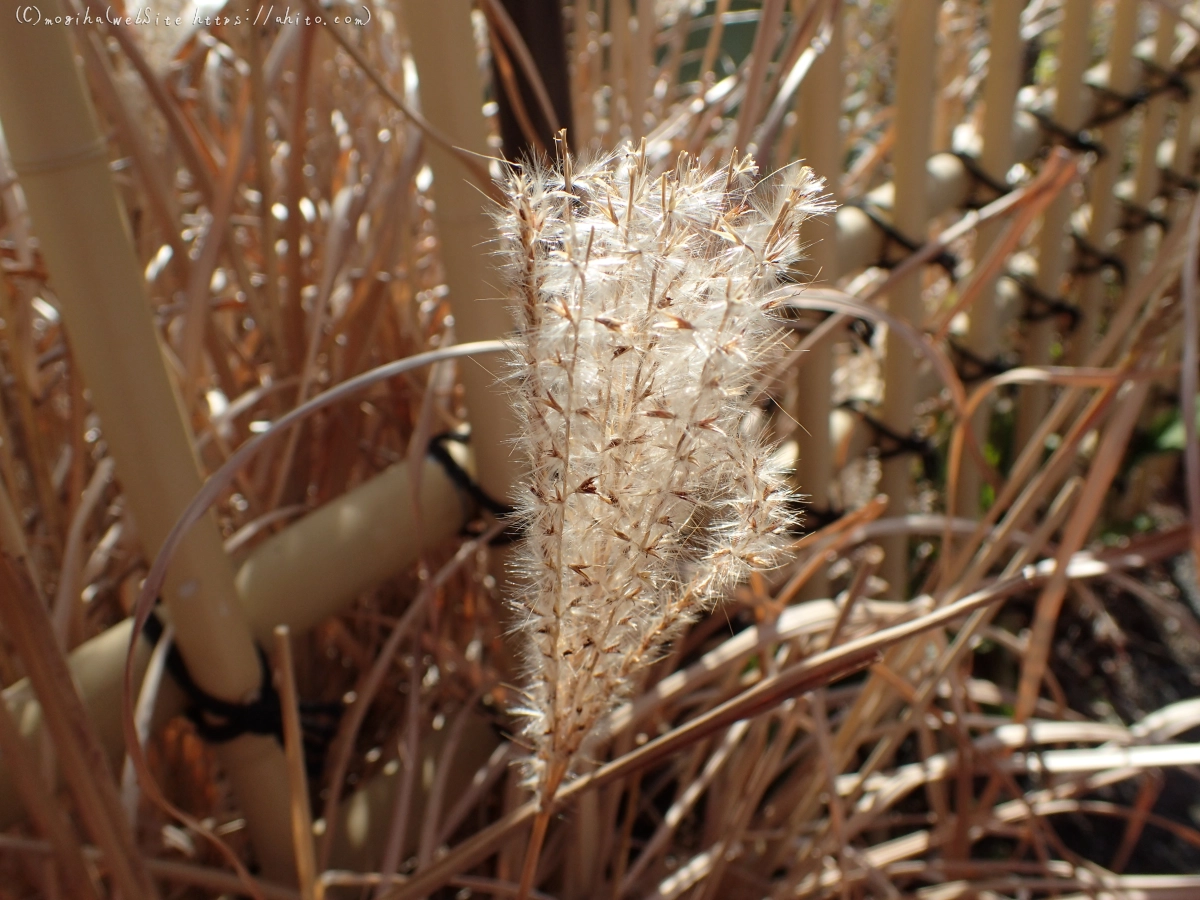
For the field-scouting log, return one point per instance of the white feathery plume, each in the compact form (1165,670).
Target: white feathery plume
(643,311)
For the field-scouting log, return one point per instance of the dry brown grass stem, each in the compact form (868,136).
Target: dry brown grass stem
(293,745)
(819,669)
(48,818)
(83,762)
(1188,378)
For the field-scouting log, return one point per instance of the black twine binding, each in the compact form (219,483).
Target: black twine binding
(1074,139)
(1093,259)
(1172,180)
(892,443)
(219,721)
(1114,104)
(1136,218)
(1041,306)
(464,482)
(971,367)
(945,259)
(817,517)
(980,178)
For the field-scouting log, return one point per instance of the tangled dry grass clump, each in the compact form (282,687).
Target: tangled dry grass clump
(983,685)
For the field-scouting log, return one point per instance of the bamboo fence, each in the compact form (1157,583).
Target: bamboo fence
(238,258)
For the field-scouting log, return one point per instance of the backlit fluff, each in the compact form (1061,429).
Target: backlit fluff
(642,310)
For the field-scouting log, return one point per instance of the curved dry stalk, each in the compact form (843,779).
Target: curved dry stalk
(1188,377)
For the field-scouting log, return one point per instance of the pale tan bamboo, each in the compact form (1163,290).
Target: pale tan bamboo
(1070,112)
(915,90)
(313,569)
(949,183)
(999,98)
(1101,191)
(1183,147)
(641,69)
(443,47)
(821,145)
(1147,178)
(61,161)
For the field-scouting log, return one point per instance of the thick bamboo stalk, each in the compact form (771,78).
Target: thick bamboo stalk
(999,98)
(61,161)
(822,147)
(1070,112)
(1147,178)
(915,91)
(443,47)
(1122,78)
(315,568)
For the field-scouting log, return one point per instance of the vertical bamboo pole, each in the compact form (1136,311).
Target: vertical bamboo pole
(1147,179)
(443,46)
(915,91)
(618,70)
(62,163)
(1053,249)
(821,143)
(641,70)
(1122,79)
(1183,153)
(999,98)
(583,47)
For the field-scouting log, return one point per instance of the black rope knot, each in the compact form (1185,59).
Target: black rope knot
(1040,306)
(220,721)
(892,443)
(971,367)
(463,480)
(979,177)
(1094,259)
(892,234)
(1076,139)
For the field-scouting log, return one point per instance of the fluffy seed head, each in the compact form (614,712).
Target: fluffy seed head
(642,306)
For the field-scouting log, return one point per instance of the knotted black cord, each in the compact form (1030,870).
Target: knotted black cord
(463,480)
(945,258)
(1041,305)
(220,721)
(892,443)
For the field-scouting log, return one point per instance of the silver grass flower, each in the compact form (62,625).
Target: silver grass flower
(643,312)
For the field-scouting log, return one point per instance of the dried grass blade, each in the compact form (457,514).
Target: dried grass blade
(1188,392)
(44,811)
(83,760)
